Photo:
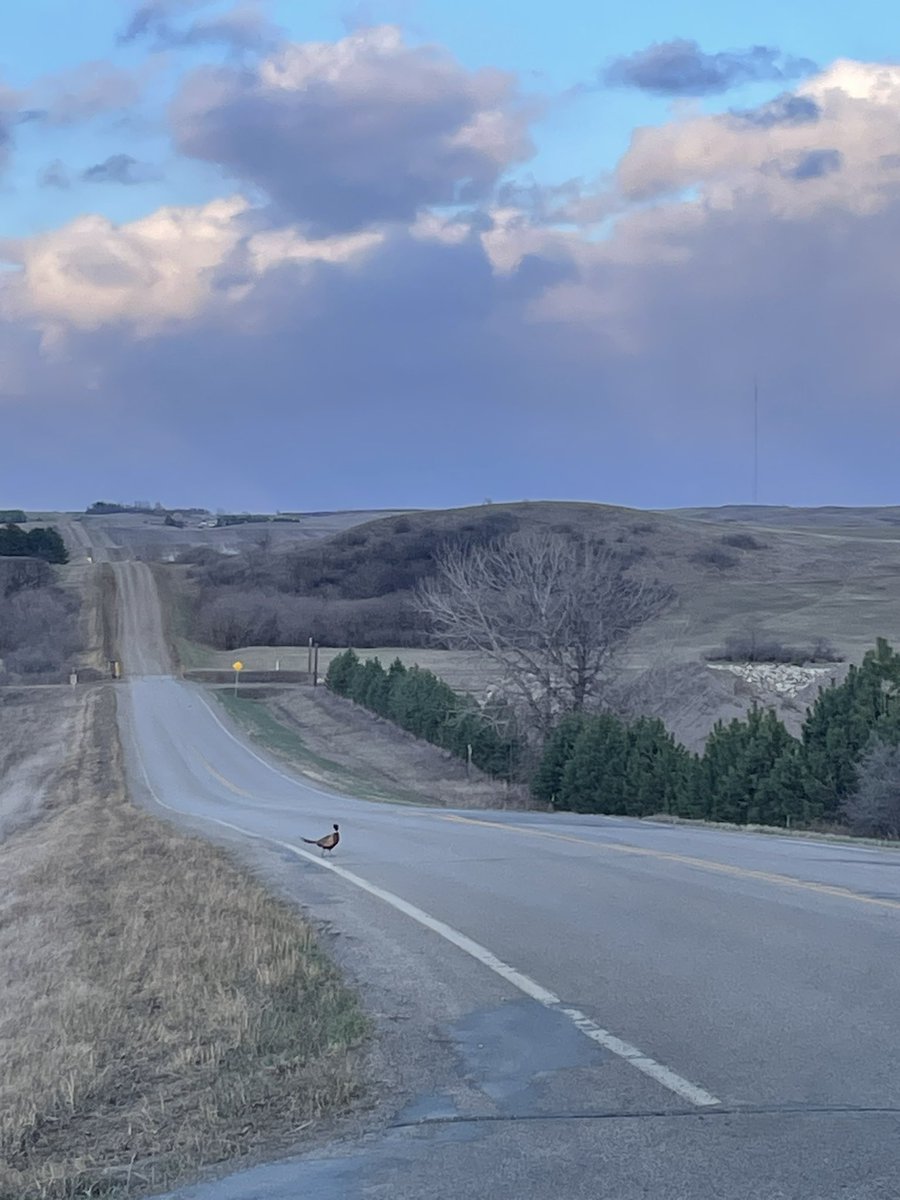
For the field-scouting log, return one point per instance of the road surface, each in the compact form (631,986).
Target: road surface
(612,1009)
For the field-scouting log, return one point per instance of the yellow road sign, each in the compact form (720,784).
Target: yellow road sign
(238,666)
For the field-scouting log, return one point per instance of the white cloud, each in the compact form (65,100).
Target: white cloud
(839,153)
(154,272)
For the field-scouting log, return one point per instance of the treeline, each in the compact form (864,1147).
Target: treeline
(419,702)
(752,771)
(39,626)
(105,507)
(108,507)
(13,516)
(42,543)
(226,519)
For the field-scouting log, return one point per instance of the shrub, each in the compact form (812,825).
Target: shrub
(752,647)
(742,541)
(38,632)
(714,556)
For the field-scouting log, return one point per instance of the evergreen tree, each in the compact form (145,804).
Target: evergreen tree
(594,777)
(547,782)
(737,762)
(657,770)
(368,686)
(341,672)
(841,724)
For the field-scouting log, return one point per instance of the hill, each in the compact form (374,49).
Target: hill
(784,579)
(791,583)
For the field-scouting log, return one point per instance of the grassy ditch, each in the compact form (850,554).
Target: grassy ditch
(267,731)
(161,1011)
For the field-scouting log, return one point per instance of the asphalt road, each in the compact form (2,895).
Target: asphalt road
(615,1009)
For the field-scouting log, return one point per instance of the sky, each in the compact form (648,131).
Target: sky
(261,255)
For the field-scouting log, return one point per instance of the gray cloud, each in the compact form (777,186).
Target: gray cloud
(443,343)
(81,94)
(55,175)
(681,68)
(364,130)
(147,17)
(243,28)
(786,109)
(815,164)
(120,168)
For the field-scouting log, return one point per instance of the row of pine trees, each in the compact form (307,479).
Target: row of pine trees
(426,706)
(752,771)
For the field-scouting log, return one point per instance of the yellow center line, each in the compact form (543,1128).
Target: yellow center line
(703,864)
(232,787)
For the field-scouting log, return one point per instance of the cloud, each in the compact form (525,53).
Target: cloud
(55,175)
(681,68)
(243,28)
(728,157)
(147,17)
(815,164)
(786,109)
(563,344)
(82,93)
(120,168)
(172,266)
(362,130)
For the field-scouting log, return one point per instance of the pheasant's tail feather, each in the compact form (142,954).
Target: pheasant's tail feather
(310,841)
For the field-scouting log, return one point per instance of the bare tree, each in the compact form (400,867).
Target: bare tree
(874,808)
(550,610)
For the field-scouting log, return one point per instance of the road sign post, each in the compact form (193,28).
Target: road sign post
(238,667)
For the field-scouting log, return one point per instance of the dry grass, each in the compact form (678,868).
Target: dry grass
(346,747)
(160,1011)
(37,725)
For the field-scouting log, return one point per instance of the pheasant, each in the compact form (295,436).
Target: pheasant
(328,842)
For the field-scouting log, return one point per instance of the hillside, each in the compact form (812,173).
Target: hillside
(787,576)
(793,583)
(775,574)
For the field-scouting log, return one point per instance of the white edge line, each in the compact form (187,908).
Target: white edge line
(631,1054)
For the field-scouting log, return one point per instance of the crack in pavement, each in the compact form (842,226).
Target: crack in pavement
(733,1110)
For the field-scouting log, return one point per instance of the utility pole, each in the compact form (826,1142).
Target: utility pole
(755,441)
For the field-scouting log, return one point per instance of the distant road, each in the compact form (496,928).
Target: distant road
(617,1009)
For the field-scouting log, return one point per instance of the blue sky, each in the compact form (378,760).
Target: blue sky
(544,360)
